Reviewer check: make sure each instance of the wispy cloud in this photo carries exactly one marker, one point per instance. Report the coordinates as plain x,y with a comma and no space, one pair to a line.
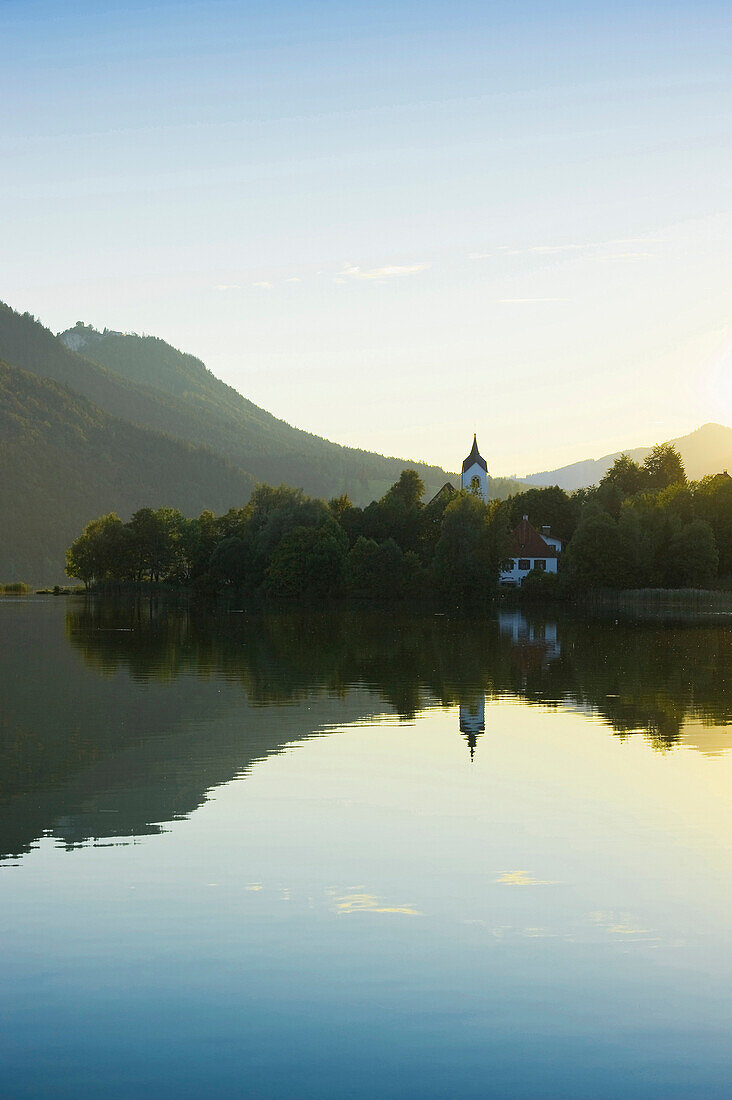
228,286
528,301
264,285
573,246
352,271
626,256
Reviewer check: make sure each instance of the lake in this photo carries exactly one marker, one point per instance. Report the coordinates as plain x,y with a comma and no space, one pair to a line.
362,854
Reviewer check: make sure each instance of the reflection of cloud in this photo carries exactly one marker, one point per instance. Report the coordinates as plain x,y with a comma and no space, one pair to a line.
352,271
369,903
521,878
253,886
619,924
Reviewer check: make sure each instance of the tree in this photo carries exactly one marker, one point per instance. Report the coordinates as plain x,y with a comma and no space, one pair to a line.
399,513
309,561
380,571
232,563
713,503
549,506
408,490
156,533
663,466
464,569
598,556
692,557
101,552
625,475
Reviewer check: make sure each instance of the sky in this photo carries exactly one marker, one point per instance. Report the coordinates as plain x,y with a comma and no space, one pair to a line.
392,224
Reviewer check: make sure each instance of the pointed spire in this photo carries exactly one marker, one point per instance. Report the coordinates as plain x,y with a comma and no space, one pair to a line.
475,457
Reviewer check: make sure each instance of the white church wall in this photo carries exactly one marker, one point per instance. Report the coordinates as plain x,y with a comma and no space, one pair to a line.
476,471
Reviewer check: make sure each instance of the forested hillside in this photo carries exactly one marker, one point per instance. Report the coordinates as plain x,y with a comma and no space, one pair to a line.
145,424
249,436
64,460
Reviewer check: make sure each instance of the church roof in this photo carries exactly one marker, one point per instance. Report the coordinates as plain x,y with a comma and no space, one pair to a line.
526,542
448,489
475,458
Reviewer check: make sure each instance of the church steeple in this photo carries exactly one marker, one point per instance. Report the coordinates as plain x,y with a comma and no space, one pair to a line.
475,458
472,722
475,472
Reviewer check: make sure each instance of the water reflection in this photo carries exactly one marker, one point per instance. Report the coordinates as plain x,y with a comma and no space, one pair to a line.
148,707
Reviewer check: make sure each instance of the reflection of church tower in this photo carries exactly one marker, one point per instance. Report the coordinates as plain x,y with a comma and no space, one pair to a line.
472,722
475,472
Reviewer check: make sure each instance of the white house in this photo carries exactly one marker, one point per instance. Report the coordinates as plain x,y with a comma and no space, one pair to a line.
475,472
530,550
522,633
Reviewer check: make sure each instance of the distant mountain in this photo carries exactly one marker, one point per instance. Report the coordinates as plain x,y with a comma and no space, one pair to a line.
65,460
708,450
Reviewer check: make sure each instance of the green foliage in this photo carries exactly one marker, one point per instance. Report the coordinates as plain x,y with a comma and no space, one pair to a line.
381,571
599,555
625,475
551,506
308,562
539,585
693,557
663,466
713,504
285,544
465,570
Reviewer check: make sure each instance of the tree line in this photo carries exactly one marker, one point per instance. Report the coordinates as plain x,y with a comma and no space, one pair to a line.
643,525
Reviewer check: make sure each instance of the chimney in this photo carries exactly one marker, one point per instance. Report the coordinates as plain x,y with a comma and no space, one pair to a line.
546,529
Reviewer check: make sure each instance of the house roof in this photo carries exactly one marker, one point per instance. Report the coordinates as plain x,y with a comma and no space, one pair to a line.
448,489
475,458
526,542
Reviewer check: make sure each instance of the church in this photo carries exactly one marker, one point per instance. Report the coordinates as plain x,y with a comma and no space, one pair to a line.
529,549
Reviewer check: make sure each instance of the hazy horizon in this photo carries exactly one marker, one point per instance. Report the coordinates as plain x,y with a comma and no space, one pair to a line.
390,225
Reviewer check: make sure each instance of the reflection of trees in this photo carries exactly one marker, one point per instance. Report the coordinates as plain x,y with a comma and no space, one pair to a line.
638,677
83,739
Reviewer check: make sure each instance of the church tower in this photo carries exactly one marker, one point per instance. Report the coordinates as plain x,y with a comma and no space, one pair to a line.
472,722
475,472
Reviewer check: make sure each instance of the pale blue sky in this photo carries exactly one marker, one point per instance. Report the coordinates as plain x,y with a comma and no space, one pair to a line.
391,224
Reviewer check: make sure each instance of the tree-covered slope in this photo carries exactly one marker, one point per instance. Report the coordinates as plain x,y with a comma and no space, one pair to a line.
271,449
148,382
65,461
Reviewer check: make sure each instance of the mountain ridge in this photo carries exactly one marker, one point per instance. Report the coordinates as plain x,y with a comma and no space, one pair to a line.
706,450
270,448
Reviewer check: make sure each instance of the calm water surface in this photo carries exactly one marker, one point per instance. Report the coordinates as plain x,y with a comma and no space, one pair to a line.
358,855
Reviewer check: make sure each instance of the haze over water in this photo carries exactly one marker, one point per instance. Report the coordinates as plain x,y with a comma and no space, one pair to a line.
277,855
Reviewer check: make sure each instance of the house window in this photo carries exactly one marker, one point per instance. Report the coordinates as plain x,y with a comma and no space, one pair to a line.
539,563
524,563
509,566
